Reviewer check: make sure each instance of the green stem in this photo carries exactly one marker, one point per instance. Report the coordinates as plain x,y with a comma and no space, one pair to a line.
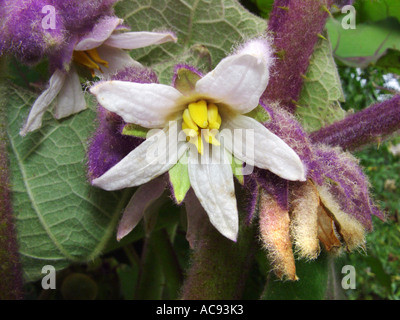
219,266
11,284
171,268
159,268
151,278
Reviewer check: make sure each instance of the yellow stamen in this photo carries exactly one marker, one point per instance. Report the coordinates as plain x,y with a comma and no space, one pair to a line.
198,112
209,135
82,58
94,55
213,116
90,59
188,120
198,142
190,132
204,117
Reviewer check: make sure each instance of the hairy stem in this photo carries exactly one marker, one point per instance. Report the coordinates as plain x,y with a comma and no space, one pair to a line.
220,267
364,127
295,26
11,284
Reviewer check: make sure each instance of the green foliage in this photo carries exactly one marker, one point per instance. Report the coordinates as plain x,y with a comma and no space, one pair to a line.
135,130
377,10
193,22
312,284
179,178
377,275
362,87
60,217
374,41
319,103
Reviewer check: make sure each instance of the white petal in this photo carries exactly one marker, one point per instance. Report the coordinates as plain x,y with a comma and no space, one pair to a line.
254,144
117,59
152,158
134,40
100,33
71,98
143,197
212,182
42,103
147,104
237,81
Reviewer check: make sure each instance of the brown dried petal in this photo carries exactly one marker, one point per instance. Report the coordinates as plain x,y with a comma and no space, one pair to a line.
275,236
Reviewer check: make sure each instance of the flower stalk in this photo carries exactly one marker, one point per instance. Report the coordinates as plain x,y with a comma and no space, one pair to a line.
367,126
219,266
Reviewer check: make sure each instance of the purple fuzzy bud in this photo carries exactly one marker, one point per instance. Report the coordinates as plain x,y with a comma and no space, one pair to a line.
32,29
366,126
286,127
108,146
276,187
247,200
23,33
347,183
295,26
81,15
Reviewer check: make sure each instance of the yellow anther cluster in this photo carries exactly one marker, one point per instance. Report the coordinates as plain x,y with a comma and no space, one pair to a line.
90,59
201,118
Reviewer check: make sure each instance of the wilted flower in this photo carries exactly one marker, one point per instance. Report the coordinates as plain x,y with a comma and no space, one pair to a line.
86,33
333,207
206,109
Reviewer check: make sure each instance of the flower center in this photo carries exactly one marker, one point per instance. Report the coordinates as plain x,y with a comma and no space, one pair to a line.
89,59
201,119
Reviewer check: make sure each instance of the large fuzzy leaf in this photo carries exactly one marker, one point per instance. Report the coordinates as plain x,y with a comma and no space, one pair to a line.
319,102
206,30
60,217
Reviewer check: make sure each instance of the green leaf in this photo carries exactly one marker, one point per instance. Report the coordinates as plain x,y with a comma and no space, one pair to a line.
259,114
313,283
128,275
377,10
366,44
179,178
60,217
390,62
319,99
135,130
185,81
237,169
206,31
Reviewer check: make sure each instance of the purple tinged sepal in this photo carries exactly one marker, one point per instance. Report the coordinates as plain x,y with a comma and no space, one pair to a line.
109,145
332,208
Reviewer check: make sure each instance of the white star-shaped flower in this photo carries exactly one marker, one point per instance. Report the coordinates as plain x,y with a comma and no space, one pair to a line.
101,51
206,113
